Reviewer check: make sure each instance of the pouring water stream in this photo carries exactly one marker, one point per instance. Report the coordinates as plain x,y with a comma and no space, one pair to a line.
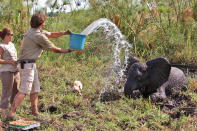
120,44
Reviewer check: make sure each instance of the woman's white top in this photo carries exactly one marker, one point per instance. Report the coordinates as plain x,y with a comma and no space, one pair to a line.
9,53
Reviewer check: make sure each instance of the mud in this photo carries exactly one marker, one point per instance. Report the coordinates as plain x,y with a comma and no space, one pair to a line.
176,105
72,115
41,107
52,109
110,96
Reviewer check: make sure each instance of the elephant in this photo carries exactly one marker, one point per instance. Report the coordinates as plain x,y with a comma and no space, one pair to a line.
155,78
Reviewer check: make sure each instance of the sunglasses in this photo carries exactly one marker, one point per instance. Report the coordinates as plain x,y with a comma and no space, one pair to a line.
10,34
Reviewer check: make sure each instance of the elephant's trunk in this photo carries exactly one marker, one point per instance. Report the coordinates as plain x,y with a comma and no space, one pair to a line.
128,89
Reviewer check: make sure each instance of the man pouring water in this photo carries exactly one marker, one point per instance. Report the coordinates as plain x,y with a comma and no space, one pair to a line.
34,42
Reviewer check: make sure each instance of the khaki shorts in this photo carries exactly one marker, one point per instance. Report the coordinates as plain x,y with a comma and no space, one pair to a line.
29,79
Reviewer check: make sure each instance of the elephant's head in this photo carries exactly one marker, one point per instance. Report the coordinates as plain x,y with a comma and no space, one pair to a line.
131,60
147,77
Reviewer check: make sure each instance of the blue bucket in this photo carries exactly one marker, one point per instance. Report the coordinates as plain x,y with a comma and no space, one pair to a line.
77,41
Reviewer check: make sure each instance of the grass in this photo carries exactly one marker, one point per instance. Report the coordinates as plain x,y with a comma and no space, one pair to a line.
64,110
73,112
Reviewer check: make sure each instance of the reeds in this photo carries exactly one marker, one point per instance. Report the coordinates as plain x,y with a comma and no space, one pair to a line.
170,19
176,18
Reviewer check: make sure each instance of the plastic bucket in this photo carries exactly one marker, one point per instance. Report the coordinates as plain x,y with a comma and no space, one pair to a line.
77,41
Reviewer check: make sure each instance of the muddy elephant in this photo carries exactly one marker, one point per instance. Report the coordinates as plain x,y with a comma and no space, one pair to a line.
155,78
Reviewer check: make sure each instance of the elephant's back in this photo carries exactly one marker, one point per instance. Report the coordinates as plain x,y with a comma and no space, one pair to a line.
177,78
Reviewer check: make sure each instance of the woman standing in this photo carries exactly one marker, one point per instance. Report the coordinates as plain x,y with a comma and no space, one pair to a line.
9,75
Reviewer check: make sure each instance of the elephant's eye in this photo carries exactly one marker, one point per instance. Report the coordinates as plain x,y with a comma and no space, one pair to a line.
138,78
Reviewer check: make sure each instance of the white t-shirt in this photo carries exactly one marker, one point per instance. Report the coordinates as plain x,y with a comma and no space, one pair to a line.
9,53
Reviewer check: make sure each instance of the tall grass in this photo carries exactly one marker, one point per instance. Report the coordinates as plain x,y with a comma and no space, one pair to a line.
168,30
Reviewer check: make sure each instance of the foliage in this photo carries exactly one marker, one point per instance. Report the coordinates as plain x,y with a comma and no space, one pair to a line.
165,30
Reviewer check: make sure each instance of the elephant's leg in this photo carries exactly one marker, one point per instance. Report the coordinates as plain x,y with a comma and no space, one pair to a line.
147,91
160,94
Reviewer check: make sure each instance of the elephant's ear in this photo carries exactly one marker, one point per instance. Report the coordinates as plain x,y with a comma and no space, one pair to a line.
159,71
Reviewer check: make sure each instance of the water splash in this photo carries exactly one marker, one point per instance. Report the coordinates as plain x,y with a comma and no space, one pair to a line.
121,46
